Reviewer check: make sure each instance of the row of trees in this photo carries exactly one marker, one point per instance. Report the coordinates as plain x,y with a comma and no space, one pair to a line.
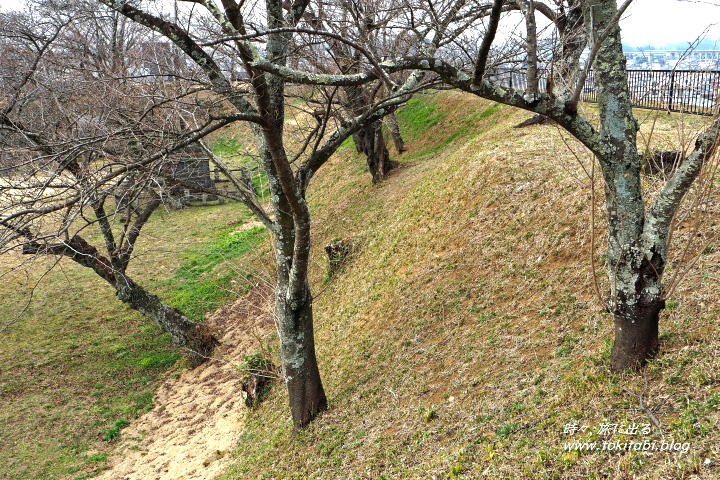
101,99
229,61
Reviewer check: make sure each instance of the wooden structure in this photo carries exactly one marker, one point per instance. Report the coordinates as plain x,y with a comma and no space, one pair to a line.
190,165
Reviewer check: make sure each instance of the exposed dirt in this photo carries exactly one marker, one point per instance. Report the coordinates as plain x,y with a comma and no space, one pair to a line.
192,430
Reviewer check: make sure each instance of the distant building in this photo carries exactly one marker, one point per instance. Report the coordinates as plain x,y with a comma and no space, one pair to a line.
652,59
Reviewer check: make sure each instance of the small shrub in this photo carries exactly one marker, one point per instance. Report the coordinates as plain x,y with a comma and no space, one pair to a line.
97,458
456,470
507,429
114,431
257,381
430,415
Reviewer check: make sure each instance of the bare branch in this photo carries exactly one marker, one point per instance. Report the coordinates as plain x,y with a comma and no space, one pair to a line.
487,41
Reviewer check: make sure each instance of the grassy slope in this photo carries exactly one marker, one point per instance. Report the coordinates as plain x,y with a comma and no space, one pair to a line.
464,333
78,361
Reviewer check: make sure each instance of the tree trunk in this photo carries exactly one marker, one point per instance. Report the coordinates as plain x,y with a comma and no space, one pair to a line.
297,351
573,38
294,312
370,141
394,128
635,256
183,331
636,303
636,335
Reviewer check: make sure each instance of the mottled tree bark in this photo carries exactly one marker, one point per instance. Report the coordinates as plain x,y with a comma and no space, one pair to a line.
635,303
295,321
370,142
394,128
528,9
300,368
635,291
573,39
184,332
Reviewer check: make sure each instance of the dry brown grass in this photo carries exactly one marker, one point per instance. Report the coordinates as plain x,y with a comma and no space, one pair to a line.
465,333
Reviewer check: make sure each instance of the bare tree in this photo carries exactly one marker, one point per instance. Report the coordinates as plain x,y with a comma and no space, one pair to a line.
638,237
257,36
359,24
75,143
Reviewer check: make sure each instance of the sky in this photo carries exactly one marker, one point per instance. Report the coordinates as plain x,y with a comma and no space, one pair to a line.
656,22
660,22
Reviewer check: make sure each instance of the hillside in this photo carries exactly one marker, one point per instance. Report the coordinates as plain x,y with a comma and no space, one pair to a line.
464,334
462,338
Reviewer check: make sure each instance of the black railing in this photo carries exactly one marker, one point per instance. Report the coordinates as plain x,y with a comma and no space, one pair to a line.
687,91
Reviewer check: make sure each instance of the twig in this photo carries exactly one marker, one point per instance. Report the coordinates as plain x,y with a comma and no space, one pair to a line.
252,371
645,409
592,232
594,51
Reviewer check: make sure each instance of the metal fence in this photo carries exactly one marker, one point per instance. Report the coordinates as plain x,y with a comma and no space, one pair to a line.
687,91
517,79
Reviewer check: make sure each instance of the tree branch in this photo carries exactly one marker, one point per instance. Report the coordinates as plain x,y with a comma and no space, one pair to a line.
593,53
671,196
487,41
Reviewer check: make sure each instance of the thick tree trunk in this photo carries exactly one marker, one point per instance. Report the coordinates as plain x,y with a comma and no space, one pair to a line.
394,128
636,303
370,141
297,351
636,254
636,335
293,307
183,331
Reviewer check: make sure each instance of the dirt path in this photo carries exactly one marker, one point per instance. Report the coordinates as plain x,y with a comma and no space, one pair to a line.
192,430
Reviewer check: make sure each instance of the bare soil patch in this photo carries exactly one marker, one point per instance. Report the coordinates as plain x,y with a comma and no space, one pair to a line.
193,428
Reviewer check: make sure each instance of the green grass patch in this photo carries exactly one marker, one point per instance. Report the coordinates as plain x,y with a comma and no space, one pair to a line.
347,143
486,113
158,360
201,282
97,458
226,147
417,116
114,431
427,118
